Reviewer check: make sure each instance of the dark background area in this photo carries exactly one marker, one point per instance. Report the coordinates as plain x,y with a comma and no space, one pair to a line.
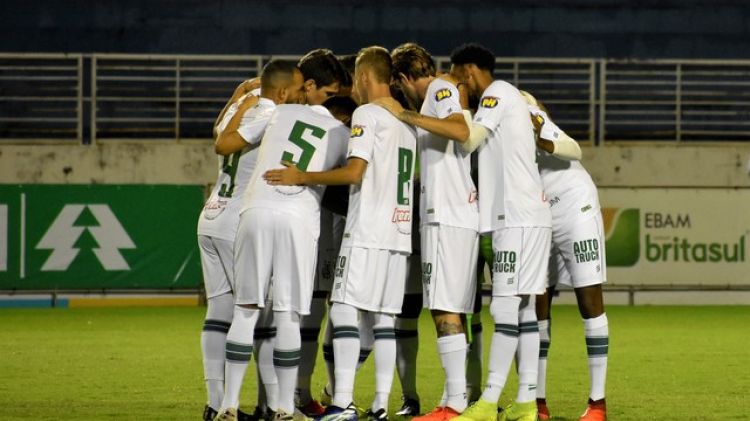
577,28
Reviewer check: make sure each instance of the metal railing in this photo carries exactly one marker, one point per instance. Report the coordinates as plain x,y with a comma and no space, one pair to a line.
88,98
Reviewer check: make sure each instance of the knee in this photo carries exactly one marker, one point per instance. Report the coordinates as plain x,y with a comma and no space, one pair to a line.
505,309
343,315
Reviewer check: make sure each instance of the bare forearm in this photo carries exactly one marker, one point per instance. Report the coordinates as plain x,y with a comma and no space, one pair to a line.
336,177
454,129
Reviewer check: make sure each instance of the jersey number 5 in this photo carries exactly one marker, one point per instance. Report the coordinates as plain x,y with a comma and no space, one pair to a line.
308,149
405,167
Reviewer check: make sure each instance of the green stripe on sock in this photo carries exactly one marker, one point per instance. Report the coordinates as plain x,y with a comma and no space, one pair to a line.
528,327
508,330
238,352
597,350
286,358
543,349
386,333
346,332
241,348
597,340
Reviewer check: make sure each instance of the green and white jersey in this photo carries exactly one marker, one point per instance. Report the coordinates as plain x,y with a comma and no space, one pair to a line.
380,209
315,141
569,188
221,213
448,193
510,187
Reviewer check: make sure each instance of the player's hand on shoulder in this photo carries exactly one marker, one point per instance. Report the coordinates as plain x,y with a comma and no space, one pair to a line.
248,101
390,104
247,86
288,176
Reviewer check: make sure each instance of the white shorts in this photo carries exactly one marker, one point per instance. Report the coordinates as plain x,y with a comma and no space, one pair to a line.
449,267
370,279
329,244
217,260
578,258
520,259
274,243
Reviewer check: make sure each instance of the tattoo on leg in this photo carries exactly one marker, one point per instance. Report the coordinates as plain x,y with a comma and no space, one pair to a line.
448,328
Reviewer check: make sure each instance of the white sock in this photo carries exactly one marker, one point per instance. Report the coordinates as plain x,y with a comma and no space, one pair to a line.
407,347
384,334
213,345
286,357
544,342
309,332
366,322
504,312
239,350
452,350
528,352
597,346
345,352
474,360
265,336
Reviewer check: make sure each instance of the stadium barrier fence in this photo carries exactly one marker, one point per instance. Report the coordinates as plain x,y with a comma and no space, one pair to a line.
90,98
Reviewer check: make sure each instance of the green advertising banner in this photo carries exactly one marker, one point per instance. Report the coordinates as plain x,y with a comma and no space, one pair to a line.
99,237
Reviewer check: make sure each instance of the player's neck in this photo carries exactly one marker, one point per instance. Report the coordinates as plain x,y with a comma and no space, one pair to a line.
377,91
422,87
484,80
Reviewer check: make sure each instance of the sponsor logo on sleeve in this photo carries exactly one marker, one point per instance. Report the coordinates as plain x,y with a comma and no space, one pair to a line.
489,102
357,131
442,94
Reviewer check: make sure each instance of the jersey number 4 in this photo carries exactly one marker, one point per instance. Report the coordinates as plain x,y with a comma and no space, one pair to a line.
308,149
229,167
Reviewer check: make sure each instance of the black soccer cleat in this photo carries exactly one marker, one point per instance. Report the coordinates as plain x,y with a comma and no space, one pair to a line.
379,415
410,408
209,413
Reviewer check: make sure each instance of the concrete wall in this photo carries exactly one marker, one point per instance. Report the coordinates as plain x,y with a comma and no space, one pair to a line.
195,163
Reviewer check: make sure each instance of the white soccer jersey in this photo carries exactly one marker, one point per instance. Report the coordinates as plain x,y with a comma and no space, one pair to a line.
448,192
221,214
309,137
379,214
511,193
569,188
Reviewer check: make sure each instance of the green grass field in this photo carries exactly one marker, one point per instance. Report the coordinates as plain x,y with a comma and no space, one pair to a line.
664,363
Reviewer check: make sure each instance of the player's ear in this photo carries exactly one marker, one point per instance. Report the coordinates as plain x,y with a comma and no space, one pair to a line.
310,85
282,95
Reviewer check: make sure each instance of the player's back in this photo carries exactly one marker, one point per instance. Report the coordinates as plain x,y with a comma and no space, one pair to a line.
448,192
567,184
509,181
309,137
379,214
221,214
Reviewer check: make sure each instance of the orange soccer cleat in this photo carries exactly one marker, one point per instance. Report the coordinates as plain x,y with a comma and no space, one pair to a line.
542,409
441,413
596,411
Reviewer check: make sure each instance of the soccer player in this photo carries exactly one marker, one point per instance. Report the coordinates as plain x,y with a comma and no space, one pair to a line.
577,258
277,235
239,125
324,78
514,210
370,271
448,213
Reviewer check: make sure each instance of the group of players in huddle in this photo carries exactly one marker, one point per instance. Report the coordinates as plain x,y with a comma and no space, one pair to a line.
277,247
